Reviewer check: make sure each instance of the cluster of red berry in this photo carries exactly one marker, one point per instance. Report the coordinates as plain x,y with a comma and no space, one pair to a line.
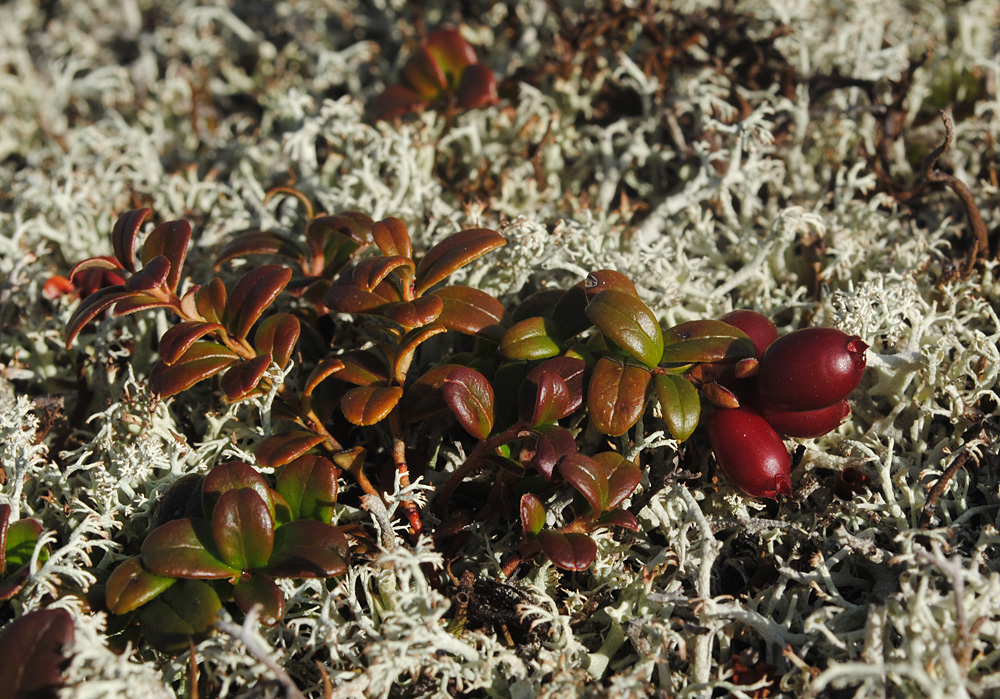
800,389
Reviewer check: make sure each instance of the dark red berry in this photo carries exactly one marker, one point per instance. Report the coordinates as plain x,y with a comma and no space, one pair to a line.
804,423
759,327
811,368
750,452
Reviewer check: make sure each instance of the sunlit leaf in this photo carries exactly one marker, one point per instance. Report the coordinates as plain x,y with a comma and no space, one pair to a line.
571,551
392,238
588,477
371,272
616,395
200,361
210,300
279,449
309,486
367,405
276,335
130,586
241,379
416,313
532,338
176,341
90,308
469,396
362,368
623,477
137,301
183,548
706,341
171,240
532,514
680,403
604,279
19,544
627,321
124,233
452,53
472,312
243,529
151,276
409,344
453,253
252,294
323,370
260,243
231,475
423,74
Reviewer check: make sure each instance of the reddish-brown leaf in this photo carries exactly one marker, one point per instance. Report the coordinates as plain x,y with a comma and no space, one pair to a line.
395,101
210,300
623,477
169,239
253,293
477,89
231,475
183,548
472,312
367,405
392,238
176,341
276,336
243,529
152,275
33,653
408,345
241,379
124,233
616,395
416,313
130,586
532,514
362,368
568,551
137,301
280,449
469,395
200,361
453,253
588,477
261,243
260,589
89,309
306,548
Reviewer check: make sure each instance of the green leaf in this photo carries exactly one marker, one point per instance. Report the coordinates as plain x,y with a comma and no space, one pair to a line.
453,253
130,586
706,341
532,514
680,403
306,548
187,610
469,396
626,321
260,589
243,529
19,546
616,395
183,548
309,486
451,53
367,405
571,551
531,338
472,312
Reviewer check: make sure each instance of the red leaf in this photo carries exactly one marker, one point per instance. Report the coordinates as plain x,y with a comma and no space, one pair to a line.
408,345
169,239
477,89
241,379
416,313
469,395
616,395
260,589
620,518
137,301
32,653
453,253
261,243
231,475
306,548
362,368
532,514
124,233
587,476
568,551
178,339
551,444
395,101
623,477
252,294
90,307
210,301
281,448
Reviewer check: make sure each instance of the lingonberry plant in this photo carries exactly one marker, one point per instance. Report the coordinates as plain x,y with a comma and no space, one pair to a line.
546,392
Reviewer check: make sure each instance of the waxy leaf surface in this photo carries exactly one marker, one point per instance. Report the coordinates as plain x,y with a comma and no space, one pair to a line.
627,321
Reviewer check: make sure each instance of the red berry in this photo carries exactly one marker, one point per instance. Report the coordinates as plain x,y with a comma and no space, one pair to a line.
811,368
759,327
750,452
804,423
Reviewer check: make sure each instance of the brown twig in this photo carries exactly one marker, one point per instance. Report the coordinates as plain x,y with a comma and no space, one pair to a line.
980,242
938,490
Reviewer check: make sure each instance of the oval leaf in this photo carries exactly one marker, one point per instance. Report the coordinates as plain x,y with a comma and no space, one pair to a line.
588,477
210,300
184,611
453,253
231,475
469,396
178,339
276,336
551,444
260,243
572,551
416,313
623,477
151,276
169,239
367,405
306,548
706,341
532,514
199,362
241,379
183,548
124,233
392,238
680,403
130,586
243,529
89,309
260,589
472,312
279,449
616,395
33,653
309,486
531,338
252,294
627,321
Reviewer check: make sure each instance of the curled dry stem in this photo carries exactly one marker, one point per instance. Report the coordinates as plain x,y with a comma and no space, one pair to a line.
980,238
942,484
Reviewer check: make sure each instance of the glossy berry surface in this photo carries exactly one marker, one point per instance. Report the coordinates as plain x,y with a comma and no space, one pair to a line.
804,423
750,452
811,368
759,327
